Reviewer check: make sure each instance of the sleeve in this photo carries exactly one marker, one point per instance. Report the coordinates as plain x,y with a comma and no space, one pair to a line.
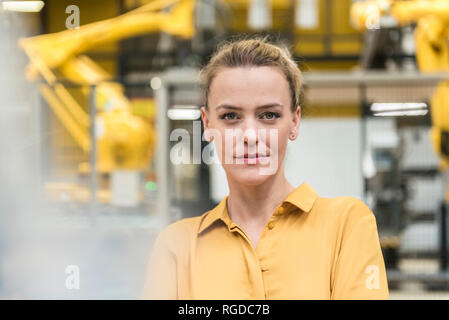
360,269
161,279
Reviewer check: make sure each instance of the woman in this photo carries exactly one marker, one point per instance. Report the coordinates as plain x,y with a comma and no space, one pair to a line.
266,240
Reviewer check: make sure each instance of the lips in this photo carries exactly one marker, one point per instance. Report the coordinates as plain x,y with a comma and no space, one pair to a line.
253,159
252,156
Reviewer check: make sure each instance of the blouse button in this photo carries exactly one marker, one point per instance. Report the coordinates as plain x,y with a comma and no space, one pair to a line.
281,210
271,225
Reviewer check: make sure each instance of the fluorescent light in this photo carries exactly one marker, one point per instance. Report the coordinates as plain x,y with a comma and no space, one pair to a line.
259,15
307,14
380,107
23,6
401,113
182,113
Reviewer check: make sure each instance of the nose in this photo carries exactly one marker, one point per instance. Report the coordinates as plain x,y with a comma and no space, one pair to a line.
250,136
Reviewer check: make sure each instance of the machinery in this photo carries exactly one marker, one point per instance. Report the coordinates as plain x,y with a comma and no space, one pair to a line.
124,141
432,51
430,19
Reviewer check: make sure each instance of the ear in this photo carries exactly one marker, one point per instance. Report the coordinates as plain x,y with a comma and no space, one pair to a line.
205,119
297,118
295,122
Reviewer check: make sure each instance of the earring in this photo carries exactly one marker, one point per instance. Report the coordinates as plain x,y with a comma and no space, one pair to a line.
292,136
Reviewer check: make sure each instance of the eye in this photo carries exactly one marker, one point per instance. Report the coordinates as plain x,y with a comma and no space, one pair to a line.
229,116
270,115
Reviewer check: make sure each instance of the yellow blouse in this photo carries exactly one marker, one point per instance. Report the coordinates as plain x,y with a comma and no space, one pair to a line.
311,248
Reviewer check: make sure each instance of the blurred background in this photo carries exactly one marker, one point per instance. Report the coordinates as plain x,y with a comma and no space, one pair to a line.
92,92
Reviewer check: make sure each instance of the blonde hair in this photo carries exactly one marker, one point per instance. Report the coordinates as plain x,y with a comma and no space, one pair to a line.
255,52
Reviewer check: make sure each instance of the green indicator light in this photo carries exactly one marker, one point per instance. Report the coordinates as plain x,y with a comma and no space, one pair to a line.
151,186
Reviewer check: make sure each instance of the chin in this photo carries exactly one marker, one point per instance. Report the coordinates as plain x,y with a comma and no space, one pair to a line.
248,175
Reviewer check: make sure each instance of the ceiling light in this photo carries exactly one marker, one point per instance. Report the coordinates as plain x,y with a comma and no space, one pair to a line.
183,113
401,113
394,106
259,15
307,14
23,6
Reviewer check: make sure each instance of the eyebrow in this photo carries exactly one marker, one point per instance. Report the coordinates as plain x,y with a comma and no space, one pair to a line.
230,107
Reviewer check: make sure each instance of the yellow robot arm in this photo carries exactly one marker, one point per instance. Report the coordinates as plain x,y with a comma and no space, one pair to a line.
49,51
126,141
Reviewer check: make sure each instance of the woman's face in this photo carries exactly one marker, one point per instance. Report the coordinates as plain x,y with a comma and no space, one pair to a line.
249,117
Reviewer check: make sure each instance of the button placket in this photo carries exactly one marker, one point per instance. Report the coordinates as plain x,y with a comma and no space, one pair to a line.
280,210
262,242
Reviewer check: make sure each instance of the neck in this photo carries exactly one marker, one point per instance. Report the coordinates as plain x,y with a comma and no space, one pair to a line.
255,204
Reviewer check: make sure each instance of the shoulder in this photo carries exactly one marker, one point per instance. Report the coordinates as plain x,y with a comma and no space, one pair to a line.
345,207
346,212
180,230
346,220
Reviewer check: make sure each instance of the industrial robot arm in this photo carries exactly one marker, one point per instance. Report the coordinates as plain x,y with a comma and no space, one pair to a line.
127,141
